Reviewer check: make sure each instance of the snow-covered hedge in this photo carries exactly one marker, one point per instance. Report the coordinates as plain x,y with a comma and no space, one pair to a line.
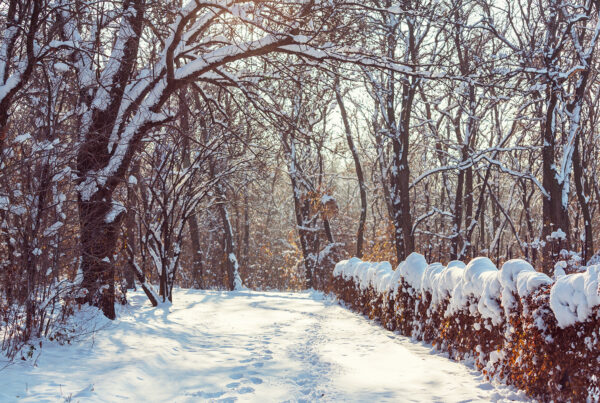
518,325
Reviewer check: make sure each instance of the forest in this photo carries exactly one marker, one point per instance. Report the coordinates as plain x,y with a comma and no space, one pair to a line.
231,144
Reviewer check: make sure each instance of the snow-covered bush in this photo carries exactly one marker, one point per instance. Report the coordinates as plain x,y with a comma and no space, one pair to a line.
516,324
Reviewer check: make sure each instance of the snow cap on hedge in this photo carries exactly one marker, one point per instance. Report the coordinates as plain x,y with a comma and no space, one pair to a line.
412,269
509,275
573,297
479,277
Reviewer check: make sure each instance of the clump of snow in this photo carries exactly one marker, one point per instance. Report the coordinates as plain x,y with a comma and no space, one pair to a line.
431,278
342,269
21,138
53,228
412,270
518,277
594,260
61,67
237,280
116,209
559,269
365,274
558,234
529,281
480,282
382,275
4,203
448,278
489,302
572,297
327,198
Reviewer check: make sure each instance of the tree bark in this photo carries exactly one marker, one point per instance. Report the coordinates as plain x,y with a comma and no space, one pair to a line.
554,210
98,241
197,262
359,172
99,237
579,178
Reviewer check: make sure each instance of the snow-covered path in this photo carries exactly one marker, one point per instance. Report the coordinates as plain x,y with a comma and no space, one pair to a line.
244,346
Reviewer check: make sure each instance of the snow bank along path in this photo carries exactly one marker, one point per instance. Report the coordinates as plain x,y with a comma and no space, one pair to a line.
243,346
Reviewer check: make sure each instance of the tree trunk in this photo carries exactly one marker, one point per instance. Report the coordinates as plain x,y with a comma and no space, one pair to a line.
197,264
554,209
230,259
468,249
130,226
229,250
99,237
359,172
401,200
458,208
588,244
246,237
98,242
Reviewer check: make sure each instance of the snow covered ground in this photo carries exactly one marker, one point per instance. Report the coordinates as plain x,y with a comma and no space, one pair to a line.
243,346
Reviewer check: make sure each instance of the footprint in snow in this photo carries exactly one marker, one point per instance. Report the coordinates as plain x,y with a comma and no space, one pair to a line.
301,382
85,392
227,400
245,389
233,385
207,395
236,376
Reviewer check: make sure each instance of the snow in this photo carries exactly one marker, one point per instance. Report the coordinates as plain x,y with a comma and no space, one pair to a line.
527,282
366,274
480,280
327,198
572,297
412,270
61,67
559,269
21,138
10,85
558,234
50,231
244,346
518,277
446,281
115,210
237,280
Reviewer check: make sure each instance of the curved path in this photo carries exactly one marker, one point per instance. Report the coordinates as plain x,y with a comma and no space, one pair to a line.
244,346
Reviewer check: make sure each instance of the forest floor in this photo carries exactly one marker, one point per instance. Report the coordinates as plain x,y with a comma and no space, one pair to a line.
243,346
